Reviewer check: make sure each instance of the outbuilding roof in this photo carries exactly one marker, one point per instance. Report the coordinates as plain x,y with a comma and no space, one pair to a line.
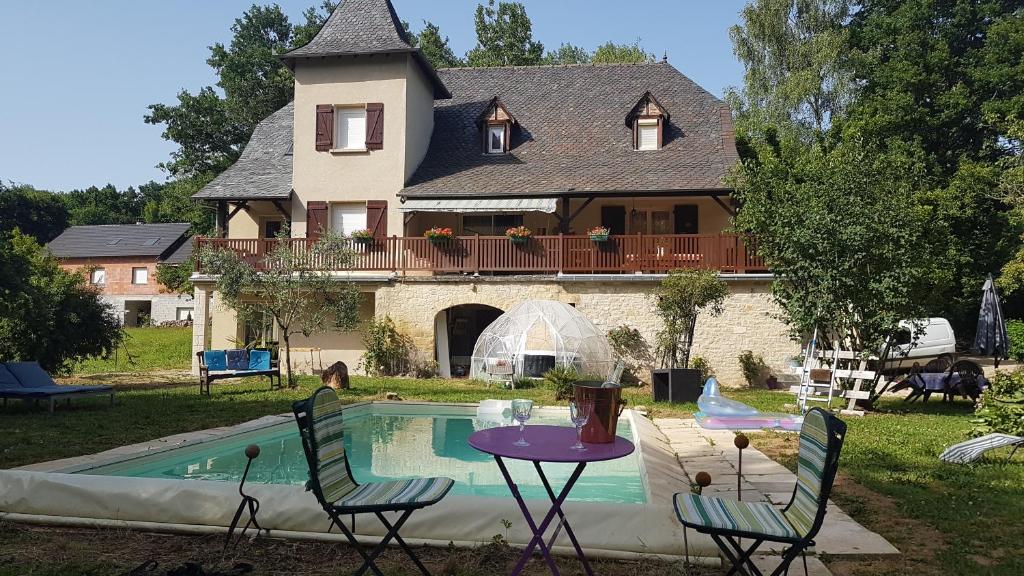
159,241
264,169
570,136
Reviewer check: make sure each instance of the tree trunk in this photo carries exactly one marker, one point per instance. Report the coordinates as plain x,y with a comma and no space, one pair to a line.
288,357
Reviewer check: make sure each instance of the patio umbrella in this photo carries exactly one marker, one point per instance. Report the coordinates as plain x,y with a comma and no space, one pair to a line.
990,338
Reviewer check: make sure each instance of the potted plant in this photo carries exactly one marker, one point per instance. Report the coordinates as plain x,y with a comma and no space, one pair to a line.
363,236
678,300
519,234
438,235
598,233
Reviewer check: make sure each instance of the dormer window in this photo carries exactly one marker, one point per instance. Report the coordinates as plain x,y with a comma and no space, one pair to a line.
496,127
647,120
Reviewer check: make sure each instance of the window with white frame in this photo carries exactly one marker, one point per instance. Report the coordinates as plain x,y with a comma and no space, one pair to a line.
347,217
350,128
98,276
647,134
183,313
496,139
140,275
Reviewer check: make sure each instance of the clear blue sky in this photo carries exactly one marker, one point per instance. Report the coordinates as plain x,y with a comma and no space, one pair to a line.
78,75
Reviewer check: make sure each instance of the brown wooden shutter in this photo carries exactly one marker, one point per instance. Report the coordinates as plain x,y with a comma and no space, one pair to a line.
374,126
636,134
324,127
377,217
316,219
661,131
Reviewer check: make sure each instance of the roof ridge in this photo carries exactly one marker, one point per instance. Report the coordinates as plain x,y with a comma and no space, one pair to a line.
578,65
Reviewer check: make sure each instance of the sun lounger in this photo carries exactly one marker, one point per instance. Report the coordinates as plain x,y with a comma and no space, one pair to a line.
971,450
28,381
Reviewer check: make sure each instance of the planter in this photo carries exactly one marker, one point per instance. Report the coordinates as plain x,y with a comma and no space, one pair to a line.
676,385
599,237
363,241
519,239
439,240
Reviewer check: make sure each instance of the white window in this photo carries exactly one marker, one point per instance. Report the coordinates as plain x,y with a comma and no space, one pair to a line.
183,314
140,275
350,128
495,139
647,135
347,217
98,276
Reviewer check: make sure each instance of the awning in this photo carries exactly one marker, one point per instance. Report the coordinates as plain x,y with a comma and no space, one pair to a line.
548,205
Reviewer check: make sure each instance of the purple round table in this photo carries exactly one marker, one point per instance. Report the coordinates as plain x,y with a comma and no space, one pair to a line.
547,444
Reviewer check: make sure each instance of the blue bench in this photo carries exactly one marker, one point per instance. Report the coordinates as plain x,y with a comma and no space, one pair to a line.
28,381
224,364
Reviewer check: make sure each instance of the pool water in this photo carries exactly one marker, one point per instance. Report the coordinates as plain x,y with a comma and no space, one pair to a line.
385,445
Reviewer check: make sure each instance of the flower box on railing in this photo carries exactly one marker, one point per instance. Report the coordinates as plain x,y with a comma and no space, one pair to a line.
438,236
519,234
598,234
362,237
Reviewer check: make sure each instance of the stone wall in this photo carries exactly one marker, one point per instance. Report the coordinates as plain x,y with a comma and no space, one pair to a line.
748,322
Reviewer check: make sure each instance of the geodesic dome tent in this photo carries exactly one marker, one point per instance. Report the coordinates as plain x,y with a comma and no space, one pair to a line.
537,335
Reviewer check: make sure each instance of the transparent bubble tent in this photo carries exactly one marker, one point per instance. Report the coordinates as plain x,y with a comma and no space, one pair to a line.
536,335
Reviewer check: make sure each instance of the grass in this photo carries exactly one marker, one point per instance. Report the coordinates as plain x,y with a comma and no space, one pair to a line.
146,350
947,519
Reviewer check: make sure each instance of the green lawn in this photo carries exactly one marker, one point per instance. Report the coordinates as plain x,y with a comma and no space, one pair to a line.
145,350
974,511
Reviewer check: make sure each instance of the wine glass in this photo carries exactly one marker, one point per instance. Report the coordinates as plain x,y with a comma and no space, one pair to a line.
521,412
579,413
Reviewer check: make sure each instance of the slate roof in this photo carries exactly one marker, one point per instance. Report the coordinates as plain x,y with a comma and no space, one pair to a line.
364,27
572,133
158,241
264,169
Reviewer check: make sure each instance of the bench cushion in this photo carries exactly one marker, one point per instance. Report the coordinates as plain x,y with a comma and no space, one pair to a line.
259,360
215,360
54,391
31,375
7,380
237,359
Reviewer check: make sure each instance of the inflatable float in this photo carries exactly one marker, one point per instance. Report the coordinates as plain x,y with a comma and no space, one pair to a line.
719,413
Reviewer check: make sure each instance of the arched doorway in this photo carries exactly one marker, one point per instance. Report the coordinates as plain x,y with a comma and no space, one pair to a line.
455,332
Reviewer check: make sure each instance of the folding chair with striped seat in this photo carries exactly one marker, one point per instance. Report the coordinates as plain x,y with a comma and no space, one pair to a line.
971,450
726,521
330,479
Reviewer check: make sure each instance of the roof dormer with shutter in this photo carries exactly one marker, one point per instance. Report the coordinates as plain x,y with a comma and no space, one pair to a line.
496,125
648,120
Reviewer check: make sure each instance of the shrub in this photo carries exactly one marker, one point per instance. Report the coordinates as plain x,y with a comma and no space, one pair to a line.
1002,406
753,367
700,363
521,382
630,346
562,377
1015,331
388,351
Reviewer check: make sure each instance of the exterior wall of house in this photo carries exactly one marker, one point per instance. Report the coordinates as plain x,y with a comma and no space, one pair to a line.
350,176
250,222
123,296
749,321
419,119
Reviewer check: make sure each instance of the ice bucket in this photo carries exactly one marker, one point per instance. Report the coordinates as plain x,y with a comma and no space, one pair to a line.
608,406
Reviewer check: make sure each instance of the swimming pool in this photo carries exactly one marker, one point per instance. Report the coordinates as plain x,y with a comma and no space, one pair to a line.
390,442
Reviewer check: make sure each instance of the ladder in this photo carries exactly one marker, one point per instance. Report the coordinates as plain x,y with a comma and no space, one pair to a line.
813,387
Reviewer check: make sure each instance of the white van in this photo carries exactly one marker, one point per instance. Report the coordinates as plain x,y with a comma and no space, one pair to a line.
934,339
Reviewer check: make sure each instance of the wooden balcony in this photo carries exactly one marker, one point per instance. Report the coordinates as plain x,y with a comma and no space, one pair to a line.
630,254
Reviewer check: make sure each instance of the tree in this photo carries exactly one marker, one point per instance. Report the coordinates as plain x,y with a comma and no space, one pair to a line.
211,130
48,314
568,54
435,47
504,37
106,205
296,294
37,213
852,250
792,54
176,278
612,53
680,297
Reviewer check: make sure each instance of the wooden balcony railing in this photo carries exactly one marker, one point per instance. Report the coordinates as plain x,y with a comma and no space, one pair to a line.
540,255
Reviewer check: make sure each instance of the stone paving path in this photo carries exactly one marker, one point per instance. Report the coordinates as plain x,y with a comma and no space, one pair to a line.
764,480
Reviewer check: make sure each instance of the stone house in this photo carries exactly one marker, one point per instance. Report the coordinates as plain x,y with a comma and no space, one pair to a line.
378,140
121,260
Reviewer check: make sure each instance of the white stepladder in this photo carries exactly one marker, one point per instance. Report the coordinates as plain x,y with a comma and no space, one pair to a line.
830,373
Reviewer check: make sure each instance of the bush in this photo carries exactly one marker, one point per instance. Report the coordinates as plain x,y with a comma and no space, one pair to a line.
753,367
1015,331
1002,406
630,347
562,378
700,363
388,352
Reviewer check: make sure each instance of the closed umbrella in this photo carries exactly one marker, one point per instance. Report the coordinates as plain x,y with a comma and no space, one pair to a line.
991,339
